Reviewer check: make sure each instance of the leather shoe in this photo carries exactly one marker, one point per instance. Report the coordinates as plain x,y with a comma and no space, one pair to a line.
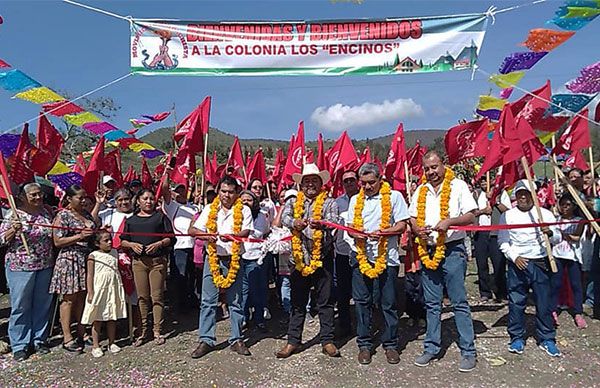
364,356
331,350
392,356
202,350
287,350
240,348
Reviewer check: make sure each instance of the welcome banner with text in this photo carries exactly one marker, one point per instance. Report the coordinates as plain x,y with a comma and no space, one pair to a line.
368,47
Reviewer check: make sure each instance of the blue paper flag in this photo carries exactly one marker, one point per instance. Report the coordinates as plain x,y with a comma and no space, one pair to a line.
115,135
8,144
17,81
64,181
570,102
492,114
151,154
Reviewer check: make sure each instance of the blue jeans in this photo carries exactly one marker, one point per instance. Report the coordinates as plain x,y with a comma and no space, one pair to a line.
210,298
450,273
573,269
519,282
30,304
286,293
254,289
363,294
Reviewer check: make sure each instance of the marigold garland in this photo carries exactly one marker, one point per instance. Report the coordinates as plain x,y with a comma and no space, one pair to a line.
211,250
440,243
315,261
386,216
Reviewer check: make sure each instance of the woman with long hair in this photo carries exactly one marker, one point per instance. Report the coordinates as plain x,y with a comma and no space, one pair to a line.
148,236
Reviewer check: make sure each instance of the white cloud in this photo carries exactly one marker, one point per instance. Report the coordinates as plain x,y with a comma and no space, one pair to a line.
339,117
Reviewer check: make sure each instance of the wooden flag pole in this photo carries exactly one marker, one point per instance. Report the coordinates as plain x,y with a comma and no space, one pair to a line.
555,163
576,197
13,207
407,176
487,182
595,193
204,156
538,209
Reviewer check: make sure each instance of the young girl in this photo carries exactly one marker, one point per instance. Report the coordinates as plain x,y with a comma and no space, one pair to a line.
105,300
568,258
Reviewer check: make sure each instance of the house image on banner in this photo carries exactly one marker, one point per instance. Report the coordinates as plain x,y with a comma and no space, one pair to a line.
408,65
466,58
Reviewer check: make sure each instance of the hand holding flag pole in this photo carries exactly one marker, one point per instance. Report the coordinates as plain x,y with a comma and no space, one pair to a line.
13,207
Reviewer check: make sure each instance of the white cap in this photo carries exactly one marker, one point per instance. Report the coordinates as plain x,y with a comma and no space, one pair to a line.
523,184
107,178
289,194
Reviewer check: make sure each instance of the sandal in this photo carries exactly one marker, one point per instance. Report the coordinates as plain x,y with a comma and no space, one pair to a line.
159,340
72,346
139,342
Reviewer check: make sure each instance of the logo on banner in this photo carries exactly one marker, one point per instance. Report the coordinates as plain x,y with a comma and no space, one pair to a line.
162,59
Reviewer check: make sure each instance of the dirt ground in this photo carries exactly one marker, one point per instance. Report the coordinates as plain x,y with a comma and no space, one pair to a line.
171,366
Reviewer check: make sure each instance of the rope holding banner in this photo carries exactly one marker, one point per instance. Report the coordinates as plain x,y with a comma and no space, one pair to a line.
128,18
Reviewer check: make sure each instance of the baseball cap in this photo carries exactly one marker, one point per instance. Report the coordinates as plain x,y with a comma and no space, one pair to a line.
107,178
135,182
523,184
289,194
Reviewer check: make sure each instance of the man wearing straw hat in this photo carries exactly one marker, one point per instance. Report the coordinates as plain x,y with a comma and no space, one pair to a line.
312,251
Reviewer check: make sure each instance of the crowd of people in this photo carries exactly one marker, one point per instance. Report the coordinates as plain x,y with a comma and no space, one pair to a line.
107,256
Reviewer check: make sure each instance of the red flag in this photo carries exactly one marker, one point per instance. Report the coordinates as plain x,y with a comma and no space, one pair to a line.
146,176
49,145
295,156
163,176
466,141
365,157
20,170
321,159
394,166
92,174
341,157
185,166
576,137
378,163
157,117
597,114
235,161
194,127
80,165
415,159
4,175
130,175
533,107
210,170
279,164
112,166
577,160
256,167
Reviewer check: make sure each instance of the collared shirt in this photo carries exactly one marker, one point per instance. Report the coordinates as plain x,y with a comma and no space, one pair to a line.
461,202
260,228
267,207
224,226
181,217
570,250
372,221
525,242
329,213
483,202
341,245
113,218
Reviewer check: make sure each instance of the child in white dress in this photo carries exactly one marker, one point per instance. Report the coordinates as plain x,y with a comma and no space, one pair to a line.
105,300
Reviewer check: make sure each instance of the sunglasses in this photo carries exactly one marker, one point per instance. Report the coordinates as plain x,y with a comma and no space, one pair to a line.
349,180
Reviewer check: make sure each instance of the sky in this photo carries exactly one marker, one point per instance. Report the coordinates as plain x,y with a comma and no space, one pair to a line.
75,50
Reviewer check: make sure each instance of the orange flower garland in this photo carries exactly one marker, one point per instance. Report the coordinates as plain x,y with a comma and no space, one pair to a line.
440,246
211,249
315,261
386,216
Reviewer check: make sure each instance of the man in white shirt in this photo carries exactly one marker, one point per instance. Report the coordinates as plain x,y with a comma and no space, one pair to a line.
364,287
528,267
180,212
228,191
342,273
486,245
453,266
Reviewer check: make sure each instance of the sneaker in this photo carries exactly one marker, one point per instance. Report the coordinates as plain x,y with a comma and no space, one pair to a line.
42,348
550,347
467,363
517,346
97,352
113,348
424,359
267,314
555,318
20,355
580,321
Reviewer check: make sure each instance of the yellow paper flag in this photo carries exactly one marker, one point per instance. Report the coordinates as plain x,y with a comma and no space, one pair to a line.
82,118
582,12
545,137
39,95
489,102
139,147
59,168
507,80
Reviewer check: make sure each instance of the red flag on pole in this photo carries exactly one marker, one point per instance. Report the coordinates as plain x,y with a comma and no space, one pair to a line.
576,137
365,157
112,166
194,127
80,165
93,172
235,161
340,158
146,176
321,159
415,158
163,177
21,171
130,175
49,146
4,175
256,167
577,160
466,141
185,166
210,170
279,163
394,166
295,156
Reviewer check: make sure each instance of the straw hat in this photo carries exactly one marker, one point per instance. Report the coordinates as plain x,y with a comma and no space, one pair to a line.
311,169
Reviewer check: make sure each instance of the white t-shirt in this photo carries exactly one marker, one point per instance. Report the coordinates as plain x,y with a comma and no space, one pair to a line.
267,207
113,218
181,217
570,250
260,229
461,202
224,226
482,203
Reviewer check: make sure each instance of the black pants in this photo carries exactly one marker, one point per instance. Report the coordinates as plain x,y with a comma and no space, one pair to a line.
415,301
486,246
343,288
321,280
